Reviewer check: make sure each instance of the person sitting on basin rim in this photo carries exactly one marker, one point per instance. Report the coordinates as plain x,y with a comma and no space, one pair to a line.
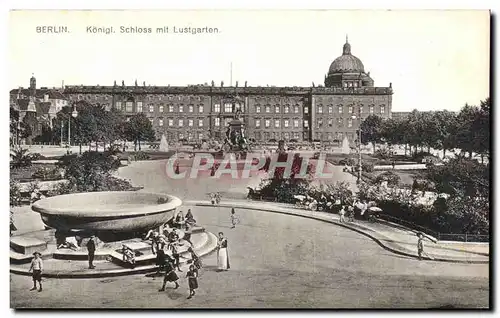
190,218
170,274
179,220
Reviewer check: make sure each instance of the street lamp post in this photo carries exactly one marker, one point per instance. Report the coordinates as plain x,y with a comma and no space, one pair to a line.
74,114
360,167
18,132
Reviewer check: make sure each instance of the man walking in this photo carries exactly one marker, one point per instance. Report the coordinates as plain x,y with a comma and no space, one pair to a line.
420,245
37,267
91,251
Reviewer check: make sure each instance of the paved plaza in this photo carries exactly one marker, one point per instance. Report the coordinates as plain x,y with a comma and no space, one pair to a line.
281,261
277,261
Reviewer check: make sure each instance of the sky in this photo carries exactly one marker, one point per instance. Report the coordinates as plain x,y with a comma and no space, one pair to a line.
434,59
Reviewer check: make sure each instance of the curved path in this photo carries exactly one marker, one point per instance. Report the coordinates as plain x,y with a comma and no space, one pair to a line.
278,261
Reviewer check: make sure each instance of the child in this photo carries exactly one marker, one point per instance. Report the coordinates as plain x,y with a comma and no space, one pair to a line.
128,255
234,218
195,259
37,267
170,274
342,214
420,245
192,276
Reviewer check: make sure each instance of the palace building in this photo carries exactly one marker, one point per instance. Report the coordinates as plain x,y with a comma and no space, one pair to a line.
196,112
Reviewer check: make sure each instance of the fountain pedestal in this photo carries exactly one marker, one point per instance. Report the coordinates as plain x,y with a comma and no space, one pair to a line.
27,245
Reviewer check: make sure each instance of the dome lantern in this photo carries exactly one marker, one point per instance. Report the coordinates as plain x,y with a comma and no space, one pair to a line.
346,63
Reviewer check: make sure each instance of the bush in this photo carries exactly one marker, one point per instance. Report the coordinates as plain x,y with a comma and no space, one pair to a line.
47,173
347,161
383,153
420,155
36,156
91,171
140,155
367,167
392,178
21,158
15,194
422,185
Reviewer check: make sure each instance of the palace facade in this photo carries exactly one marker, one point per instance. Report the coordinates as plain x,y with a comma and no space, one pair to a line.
197,112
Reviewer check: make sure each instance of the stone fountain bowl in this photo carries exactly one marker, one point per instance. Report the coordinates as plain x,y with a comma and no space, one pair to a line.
119,211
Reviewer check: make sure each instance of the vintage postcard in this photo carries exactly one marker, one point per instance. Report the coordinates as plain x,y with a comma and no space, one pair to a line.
304,159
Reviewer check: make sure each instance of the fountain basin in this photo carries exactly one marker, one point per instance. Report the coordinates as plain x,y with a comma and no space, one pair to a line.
117,211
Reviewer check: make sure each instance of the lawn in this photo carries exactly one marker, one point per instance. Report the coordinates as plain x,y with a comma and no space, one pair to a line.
335,159
407,176
26,174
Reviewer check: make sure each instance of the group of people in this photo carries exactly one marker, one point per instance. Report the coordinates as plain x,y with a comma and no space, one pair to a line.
215,197
167,248
165,244
358,207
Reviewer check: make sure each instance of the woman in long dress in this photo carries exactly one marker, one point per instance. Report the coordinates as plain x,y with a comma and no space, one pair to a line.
222,254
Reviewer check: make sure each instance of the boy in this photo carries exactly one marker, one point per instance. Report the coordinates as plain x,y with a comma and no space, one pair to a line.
37,267
342,214
234,218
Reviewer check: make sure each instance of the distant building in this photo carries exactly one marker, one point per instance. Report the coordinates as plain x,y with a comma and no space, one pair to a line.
198,112
37,106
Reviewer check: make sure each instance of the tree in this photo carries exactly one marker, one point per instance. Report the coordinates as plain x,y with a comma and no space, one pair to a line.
140,129
371,130
416,129
461,177
465,137
46,135
482,129
395,131
91,171
21,158
446,128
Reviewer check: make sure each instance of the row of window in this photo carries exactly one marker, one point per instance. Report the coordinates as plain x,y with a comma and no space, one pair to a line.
183,135
180,122
287,123
329,122
350,84
296,123
189,122
278,135
350,109
228,108
296,135
149,98
277,123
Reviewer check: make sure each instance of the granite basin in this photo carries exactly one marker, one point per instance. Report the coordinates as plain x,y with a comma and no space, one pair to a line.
119,211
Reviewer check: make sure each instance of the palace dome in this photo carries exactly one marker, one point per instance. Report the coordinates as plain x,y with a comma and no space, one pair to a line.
346,63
